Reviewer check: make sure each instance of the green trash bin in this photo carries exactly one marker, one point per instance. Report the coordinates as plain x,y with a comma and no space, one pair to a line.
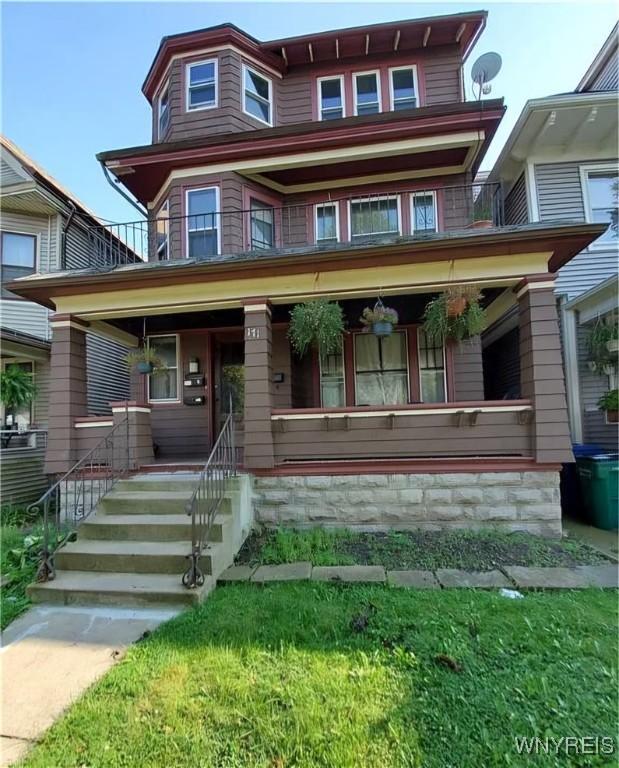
599,480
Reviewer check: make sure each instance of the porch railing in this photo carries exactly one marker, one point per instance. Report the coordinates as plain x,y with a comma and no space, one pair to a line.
206,235
207,498
76,494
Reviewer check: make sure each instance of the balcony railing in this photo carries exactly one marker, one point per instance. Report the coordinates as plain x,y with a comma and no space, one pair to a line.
206,235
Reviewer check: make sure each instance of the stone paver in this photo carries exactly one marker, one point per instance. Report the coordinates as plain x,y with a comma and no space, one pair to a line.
546,578
413,579
605,576
51,654
285,572
237,573
452,577
350,573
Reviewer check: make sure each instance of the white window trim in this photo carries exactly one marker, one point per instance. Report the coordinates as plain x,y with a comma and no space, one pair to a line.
355,75
188,67
370,199
265,206
37,246
446,400
176,399
415,84
336,205
585,170
188,216
165,89
165,205
408,363
319,82
343,374
421,193
246,69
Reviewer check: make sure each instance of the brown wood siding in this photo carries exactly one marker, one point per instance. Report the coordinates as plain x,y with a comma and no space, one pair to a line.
258,441
432,435
442,77
294,103
282,393
468,370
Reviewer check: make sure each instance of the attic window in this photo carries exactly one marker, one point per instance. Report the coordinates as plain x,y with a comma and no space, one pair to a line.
367,93
201,78
331,97
257,98
403,83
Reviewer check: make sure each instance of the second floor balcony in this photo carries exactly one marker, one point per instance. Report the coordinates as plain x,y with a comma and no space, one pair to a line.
205,232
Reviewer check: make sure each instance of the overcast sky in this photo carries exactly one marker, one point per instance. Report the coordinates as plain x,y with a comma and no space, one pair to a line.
72,72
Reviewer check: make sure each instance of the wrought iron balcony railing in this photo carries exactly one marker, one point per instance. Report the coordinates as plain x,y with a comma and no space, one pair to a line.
207,234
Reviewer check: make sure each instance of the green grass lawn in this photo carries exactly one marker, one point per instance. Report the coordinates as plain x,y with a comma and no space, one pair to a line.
470,550
318,675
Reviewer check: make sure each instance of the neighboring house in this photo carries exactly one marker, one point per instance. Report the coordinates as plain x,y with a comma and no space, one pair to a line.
560,164
337,164
43,229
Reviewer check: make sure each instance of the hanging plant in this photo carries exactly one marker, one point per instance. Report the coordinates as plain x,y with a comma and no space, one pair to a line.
439,325
603,344
610,403
319,324
380,320
458,297
145,360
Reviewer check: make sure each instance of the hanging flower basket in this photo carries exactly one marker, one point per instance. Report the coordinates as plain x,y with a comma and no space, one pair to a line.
380,320
441,324
612,345
145,367
145,360
316,324
456,306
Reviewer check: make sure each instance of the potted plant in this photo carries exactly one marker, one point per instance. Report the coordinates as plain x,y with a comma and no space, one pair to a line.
603,345
610,403
17,389
145,360
439,325
318,323
380,320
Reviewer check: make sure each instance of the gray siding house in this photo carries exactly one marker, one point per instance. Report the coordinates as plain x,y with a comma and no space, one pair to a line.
43,229
560,164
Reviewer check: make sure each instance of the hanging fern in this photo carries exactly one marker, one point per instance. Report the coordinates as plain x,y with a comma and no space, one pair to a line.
438,325
318,323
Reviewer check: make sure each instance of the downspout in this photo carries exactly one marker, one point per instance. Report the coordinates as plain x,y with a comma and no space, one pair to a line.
65,228
114,184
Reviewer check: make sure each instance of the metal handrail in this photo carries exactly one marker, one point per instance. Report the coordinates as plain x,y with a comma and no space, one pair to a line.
207,496
76,494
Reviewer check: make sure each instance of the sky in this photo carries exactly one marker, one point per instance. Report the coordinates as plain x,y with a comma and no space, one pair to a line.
78,90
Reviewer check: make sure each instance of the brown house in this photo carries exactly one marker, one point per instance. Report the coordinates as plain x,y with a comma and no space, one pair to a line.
337,165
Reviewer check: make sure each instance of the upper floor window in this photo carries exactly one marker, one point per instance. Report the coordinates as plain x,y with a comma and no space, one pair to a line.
403,85
202,222
331,97
262,225
257,96
19,251
374,216
423,212
366,88
163,112
163,232
201,78
327,223
601,197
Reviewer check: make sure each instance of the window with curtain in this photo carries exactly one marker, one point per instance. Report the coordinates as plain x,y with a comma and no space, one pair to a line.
603,189
381,371
331,94
164,384
332,393
262,225
327,223
424,212
431,369
202,222
374,216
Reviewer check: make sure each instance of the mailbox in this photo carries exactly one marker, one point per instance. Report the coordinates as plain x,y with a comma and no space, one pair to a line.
193,380
194,400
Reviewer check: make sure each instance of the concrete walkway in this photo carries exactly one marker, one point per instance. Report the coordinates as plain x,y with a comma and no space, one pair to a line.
606,542
51,655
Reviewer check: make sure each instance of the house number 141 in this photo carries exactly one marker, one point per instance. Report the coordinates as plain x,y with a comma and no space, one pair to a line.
253,333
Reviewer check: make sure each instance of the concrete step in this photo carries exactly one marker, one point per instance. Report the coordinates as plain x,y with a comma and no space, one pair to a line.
142,527
159,482
150,502
86,588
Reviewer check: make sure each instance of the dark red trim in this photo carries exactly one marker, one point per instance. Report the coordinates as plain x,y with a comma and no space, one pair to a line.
389,408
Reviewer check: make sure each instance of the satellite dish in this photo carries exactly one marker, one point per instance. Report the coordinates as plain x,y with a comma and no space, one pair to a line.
485,69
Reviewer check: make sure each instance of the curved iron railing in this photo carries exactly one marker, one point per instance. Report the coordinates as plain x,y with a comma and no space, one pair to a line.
207,497
76,494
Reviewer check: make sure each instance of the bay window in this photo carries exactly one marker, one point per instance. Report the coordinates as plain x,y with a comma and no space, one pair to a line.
403,84
331,97
327,223
431,358
366,88
202,222
163,112
374,216
601,187
163,385
423,212
162,226
201,79
257,96
381,369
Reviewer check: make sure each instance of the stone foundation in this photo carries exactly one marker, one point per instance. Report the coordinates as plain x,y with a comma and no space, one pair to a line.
511,501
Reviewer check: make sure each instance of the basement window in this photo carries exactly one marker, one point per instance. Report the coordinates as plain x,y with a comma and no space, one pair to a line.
257,96
366,93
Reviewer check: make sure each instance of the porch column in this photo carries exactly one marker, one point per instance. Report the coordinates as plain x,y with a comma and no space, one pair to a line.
138,431
258,436
68,392
541,370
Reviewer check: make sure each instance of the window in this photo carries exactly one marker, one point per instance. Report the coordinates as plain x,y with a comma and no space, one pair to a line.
431,369
202,222
327,223
257,100
423,213
332,380
374,215
162,226
367,93
403,84
331,97
23,415
381,369
262,225
601,196
201,78
163,385
19,251
163,112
